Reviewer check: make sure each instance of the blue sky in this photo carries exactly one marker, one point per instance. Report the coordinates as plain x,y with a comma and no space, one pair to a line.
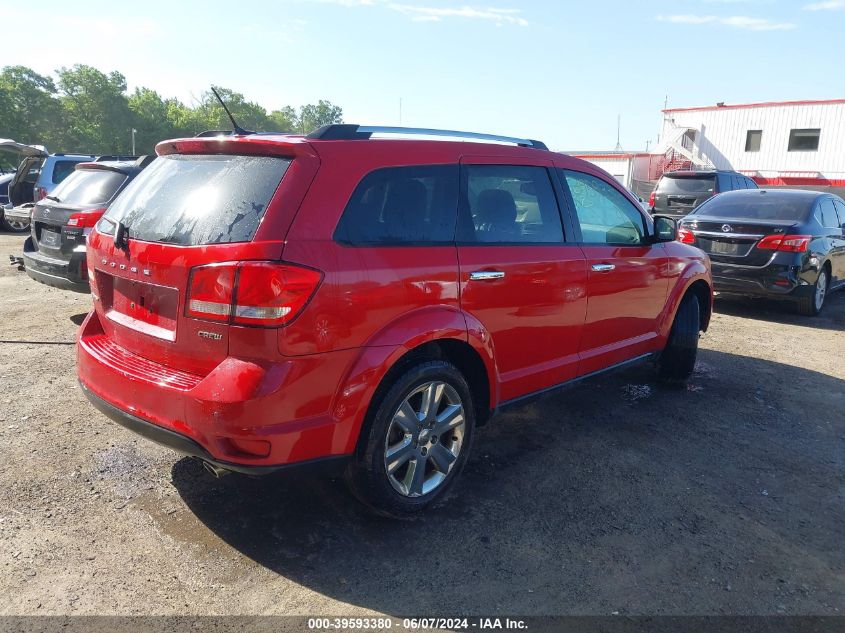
557,71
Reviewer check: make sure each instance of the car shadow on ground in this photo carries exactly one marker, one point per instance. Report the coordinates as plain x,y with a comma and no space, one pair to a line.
722,497
832,316
77,319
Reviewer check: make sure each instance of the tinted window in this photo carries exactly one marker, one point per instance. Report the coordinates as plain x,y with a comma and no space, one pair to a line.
62,169
840,211
606,216
828,214
89,186
197,199
804,140
402,205
687,184
754,207
750,184
509,203
752,140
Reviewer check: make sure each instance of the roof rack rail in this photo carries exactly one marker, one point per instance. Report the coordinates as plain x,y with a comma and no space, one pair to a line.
351,131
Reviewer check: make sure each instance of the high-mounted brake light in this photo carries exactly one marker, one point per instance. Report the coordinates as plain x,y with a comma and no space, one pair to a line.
685,236
85,219
787,243
264,294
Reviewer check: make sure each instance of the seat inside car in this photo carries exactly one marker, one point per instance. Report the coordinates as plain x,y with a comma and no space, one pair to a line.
495,216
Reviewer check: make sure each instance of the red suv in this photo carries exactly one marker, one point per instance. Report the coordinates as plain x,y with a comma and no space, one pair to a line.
264,302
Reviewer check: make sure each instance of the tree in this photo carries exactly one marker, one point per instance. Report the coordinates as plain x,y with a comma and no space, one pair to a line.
150,119
97,115
29,109
89,111
313,116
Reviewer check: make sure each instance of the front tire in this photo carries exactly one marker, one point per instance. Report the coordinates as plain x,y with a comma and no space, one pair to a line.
16,226
678,358
812,305
417,442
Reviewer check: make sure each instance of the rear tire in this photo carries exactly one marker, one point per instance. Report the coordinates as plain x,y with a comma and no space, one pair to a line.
15,227
812,305
413,453
677,361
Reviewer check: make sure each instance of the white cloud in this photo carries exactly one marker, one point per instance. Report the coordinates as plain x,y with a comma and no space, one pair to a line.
737,21
830,5
421,13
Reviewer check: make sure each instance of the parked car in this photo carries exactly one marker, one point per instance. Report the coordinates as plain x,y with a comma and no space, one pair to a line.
778,243
37,175
269,302
679,192
54,253
5,179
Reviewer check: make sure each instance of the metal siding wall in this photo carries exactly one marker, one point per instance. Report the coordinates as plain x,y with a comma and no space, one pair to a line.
723,140
614,166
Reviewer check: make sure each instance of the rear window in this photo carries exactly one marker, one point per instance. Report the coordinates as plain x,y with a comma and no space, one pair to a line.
62,169
756,207
89,186
690,184
192,199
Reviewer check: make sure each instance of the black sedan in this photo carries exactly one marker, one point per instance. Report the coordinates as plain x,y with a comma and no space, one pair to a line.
778,243
54,254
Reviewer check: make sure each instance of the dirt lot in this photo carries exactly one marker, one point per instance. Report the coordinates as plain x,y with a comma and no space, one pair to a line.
614,496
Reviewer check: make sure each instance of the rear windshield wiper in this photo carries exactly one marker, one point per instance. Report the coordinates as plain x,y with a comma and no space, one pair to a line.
120,235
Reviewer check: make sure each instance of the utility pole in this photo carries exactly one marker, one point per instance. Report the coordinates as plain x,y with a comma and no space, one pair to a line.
133,140
618,130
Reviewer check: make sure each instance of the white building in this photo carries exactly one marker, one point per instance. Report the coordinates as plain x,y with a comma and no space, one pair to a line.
787,143
776,143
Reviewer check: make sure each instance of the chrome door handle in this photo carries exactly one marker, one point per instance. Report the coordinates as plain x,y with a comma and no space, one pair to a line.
486,275
603,268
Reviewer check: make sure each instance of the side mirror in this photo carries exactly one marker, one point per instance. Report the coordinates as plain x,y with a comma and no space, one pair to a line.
665,229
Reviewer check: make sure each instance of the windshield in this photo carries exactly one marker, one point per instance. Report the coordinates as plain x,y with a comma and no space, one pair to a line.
754,207
197,199
88,186
704,184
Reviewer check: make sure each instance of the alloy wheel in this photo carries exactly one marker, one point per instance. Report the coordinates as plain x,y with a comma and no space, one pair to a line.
424,439
821,290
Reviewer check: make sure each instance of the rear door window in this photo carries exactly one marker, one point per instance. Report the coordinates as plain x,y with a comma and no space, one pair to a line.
509,204
192,199
605,215
829,218
402,205
840,211
89,186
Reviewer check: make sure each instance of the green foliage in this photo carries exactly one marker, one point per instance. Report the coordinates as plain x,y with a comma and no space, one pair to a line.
88,111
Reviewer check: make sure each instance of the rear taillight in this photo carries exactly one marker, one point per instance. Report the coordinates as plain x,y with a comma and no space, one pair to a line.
85,219
265,294
40,193
788,243
651,200
685,235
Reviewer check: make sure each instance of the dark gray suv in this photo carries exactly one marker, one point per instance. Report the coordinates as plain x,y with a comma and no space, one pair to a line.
679,192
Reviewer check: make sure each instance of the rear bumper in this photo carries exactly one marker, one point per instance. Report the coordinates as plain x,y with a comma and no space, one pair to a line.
184,444
284,407
777,280
59,273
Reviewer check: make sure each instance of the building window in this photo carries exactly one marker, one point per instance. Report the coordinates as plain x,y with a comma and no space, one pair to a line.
752,140
804,140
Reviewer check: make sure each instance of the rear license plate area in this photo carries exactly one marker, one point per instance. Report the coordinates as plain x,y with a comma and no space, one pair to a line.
49,238
144,307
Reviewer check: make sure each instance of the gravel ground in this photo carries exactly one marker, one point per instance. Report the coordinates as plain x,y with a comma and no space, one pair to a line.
617,495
